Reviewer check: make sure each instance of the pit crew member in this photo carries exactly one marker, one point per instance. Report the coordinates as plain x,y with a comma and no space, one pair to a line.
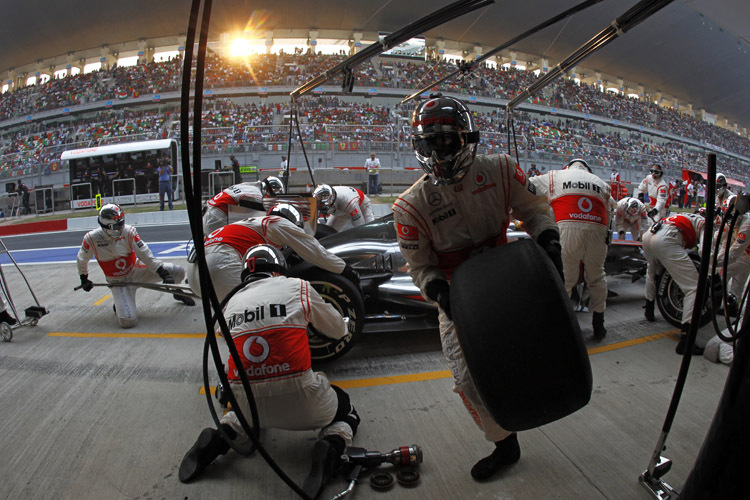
460,207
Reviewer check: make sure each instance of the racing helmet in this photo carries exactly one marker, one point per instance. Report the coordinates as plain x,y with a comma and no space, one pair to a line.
728,204
633,207
272,186
263,261
326,197
656,171
289,212
112,220
579,164
721,184
444,138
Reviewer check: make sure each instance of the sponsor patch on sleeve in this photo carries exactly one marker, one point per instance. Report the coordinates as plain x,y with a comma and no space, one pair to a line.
520,176
741,237
405,232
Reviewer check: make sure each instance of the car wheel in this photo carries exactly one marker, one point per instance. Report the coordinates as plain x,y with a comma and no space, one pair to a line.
346,298
669,300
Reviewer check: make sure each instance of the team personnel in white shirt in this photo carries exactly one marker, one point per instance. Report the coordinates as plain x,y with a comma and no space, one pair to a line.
657,190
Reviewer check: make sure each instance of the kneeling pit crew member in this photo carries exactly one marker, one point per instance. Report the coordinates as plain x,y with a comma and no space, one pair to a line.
268,321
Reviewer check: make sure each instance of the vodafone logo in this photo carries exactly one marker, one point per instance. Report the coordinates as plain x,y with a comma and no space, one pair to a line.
121,264
585,205
252,346
480,179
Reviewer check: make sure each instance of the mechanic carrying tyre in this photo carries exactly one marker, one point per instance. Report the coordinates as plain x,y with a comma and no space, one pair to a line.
666,246
460,208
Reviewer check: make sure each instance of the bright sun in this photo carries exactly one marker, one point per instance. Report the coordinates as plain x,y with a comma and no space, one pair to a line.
240,47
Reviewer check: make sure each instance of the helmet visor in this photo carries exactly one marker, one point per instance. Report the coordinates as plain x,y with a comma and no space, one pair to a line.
439,146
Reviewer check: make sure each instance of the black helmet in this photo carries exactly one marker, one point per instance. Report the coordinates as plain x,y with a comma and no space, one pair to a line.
326,197
112,219
444,138
263,261
289,212
272,186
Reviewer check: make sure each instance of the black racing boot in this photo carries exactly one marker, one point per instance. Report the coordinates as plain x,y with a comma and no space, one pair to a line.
598,324
506,452
649,313
185,300
326,457
680,349
205,450
7,318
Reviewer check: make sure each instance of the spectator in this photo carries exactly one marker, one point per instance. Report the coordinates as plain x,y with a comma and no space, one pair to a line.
372,165
23,194
236,169
165,183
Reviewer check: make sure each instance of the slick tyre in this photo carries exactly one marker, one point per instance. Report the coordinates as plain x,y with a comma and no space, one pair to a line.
669,300
529,368
346,298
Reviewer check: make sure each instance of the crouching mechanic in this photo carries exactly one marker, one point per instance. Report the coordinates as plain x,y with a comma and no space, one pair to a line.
124,258
580,201
631,215
343,204
665,246
248,195
275,354
460,208
283,226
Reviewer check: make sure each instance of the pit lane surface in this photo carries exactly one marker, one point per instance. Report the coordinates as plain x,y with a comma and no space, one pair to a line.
93,411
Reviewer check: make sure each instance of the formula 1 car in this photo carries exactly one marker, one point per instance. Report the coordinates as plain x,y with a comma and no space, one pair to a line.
388,300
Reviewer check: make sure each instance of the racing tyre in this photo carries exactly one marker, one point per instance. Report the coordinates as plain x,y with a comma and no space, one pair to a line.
347,299
6,332
669,299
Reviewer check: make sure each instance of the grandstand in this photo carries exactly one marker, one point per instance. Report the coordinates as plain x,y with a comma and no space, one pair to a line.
247,114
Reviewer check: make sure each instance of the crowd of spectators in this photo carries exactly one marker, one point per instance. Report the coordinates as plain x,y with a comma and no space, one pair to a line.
330,120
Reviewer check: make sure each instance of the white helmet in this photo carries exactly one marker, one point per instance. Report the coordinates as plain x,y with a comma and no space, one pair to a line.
633,207
263,261
289,212
272,186
112,220
721,184
579,164
326,197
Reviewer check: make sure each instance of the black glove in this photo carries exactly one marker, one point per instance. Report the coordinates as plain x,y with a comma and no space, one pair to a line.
166,278
549,240
641,198
86,283
439,291
652,212
350,274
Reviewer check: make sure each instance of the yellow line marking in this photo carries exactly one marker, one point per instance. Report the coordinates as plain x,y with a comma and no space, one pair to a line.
129,335
103,299
632,342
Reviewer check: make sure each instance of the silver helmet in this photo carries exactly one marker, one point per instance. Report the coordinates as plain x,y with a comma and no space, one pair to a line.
112,220
263,261
326,197
444,138
289,212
